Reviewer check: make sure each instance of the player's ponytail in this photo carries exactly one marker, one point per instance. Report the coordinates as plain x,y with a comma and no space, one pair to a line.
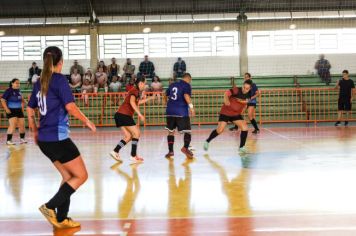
51,57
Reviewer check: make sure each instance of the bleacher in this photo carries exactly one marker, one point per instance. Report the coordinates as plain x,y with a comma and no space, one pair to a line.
213,83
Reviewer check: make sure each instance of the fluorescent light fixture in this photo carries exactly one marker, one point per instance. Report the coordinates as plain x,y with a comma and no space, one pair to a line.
2,33
217,28
292,26
146,30
73,31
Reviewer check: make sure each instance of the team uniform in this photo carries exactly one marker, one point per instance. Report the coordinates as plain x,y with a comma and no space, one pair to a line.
253,91
236,108
124,115
231,113
13,98
344,101
124,118
53,131
177,111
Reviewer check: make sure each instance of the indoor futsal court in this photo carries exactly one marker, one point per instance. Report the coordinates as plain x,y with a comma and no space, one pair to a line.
177,118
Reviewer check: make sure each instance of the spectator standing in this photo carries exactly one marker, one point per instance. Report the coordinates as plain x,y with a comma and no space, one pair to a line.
113,69
33,74
129,71
323,69
147,69
179,68
102,64
78,67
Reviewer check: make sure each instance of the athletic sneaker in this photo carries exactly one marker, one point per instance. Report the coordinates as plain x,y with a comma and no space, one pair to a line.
49,214
234,128
169,155
115,156
206,146
337,123
346,123
191,148
68,223
136,159
65,231
256,131
242,150
23,141
10,143
187,152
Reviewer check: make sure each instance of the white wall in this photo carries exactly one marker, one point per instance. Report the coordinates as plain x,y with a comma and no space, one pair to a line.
299,64
197,66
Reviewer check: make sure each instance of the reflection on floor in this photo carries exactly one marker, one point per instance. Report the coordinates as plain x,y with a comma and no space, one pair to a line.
293,181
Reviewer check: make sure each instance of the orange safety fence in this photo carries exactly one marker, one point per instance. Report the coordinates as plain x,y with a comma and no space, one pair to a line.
274,106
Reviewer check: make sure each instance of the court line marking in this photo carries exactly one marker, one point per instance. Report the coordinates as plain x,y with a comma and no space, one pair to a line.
197,217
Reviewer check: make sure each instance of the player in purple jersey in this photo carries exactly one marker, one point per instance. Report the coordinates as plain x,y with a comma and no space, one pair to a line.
177,112
13,104
52,96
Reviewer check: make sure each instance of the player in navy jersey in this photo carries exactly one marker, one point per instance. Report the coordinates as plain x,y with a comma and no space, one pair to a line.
177,112
53,97
13,104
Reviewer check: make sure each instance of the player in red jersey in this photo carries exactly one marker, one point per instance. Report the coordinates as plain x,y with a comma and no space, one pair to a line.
235,102
124,120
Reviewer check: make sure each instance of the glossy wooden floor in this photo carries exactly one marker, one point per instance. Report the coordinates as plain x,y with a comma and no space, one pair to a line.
295,181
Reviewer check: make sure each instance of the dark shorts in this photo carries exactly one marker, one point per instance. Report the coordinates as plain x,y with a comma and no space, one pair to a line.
62,151
252,105
225,118
123,120
180,123
15,112
344,105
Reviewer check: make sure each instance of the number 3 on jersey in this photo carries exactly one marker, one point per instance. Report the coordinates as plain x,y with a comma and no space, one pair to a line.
175,91
42,104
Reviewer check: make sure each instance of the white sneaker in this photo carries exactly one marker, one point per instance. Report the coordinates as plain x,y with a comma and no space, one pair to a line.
242,150
23,141
191,148
10,143
115,156
136,159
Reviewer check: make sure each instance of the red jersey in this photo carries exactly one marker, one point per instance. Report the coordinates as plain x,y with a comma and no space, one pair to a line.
126,107
129,87
235,107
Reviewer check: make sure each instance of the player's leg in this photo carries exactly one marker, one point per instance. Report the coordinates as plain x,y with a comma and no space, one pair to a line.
135,134
126,139
10,130
252,117
171,125
220,129
243,135
183,125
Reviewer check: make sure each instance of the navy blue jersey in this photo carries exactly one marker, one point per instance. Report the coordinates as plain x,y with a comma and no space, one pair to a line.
177,106
253,92
54,122
13,98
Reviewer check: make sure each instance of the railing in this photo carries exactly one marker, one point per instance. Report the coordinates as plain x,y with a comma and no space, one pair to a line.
274,106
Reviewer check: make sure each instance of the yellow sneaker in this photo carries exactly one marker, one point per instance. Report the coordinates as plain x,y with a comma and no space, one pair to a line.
49,214
65,232
67,223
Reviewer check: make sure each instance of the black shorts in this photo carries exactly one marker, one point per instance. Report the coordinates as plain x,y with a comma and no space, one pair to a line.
226,118
123,120
344,105
252,105
181,123
15,112
62,151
